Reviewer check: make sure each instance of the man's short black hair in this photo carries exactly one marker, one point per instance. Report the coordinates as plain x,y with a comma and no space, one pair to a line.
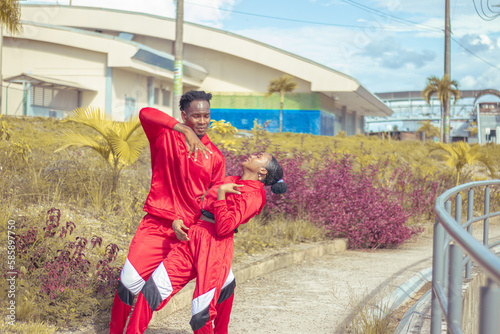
194,95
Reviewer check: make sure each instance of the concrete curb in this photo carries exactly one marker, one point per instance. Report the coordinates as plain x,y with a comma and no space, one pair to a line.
247,272
413,317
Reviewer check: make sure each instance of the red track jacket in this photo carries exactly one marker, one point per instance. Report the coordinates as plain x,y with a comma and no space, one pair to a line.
175,194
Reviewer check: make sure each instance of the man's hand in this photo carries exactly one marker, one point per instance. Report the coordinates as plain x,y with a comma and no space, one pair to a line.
179,227
193,143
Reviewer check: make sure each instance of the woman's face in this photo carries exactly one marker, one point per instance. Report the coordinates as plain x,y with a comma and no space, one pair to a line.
257,162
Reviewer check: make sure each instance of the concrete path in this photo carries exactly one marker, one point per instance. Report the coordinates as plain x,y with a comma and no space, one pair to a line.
316,296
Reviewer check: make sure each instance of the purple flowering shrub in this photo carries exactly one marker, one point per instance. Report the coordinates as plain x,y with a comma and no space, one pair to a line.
68,271
371,205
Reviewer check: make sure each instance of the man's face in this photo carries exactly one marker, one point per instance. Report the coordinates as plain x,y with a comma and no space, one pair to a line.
197,117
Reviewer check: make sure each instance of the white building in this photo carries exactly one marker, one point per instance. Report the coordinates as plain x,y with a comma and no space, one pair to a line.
69,56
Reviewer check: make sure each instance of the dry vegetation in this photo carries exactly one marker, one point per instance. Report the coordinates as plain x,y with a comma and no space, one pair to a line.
78,183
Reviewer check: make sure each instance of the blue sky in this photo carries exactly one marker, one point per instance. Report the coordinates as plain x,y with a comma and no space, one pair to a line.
387,45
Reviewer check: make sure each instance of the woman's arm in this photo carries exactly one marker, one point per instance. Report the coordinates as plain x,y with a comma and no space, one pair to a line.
229,214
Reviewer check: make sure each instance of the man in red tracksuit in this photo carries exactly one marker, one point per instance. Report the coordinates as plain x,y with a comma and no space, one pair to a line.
178,182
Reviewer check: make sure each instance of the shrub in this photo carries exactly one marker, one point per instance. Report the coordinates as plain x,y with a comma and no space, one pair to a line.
328,191
65,278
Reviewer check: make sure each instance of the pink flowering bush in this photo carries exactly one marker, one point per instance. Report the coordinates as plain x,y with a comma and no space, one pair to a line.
69,278
362,204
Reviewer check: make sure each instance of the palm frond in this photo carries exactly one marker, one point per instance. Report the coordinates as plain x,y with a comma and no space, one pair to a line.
128,127
444,88
71,139
127,151
285,84
10,16
429,129
460,154
92,117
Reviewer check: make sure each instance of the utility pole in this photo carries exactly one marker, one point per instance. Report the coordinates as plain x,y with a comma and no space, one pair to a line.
179,22
447,70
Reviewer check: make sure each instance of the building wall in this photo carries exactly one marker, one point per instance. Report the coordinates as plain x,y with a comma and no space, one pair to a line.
233,74
84,67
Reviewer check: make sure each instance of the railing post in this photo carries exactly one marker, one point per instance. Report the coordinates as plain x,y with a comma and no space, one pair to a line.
455,288
458,209
486,226
437,276
470,215
489,308
446,247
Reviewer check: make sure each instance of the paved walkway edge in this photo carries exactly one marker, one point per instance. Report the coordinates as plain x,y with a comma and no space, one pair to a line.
248,272
404,292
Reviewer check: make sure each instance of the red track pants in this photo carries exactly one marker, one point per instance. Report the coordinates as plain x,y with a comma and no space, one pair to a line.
207,257
152,242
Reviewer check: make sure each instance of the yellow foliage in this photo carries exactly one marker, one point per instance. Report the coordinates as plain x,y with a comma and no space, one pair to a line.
229,144
222,127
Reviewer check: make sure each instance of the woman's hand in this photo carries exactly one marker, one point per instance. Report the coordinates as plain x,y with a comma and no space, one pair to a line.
193,143
179,227
231,188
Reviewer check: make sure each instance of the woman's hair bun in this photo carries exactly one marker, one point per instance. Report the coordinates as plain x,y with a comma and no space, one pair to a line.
279,188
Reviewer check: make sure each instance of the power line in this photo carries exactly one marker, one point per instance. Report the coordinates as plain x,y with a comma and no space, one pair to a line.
350,26
475,55
384,14
485,16
292,20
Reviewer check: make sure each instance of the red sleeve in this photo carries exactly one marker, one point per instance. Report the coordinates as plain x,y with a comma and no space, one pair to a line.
235,210
154,121
219,171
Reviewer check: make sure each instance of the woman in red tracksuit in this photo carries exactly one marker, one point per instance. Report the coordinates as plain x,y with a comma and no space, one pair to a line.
209,251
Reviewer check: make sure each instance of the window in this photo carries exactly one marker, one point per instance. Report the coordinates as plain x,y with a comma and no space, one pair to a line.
165,97
157,96
48,97
129,107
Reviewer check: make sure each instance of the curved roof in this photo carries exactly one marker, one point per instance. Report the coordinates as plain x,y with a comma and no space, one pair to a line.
339,86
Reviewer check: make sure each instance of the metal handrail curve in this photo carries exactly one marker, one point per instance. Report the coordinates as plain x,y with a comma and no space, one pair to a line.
476,250
451,239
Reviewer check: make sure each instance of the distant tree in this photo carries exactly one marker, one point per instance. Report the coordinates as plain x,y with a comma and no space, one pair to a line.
10,15
282,85
428,129
460,154
444,88
119,143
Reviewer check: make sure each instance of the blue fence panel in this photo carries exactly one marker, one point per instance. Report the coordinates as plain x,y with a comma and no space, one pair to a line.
297,121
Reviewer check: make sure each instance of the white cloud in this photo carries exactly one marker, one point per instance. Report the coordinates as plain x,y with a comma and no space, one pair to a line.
342,50
206,11
389,53
487,79
468,82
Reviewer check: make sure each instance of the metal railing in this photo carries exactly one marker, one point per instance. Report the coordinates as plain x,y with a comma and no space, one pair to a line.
452,238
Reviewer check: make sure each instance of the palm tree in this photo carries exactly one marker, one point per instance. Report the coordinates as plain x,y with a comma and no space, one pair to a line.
282,85
460,154
10,15
428,129
117,142
444,88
